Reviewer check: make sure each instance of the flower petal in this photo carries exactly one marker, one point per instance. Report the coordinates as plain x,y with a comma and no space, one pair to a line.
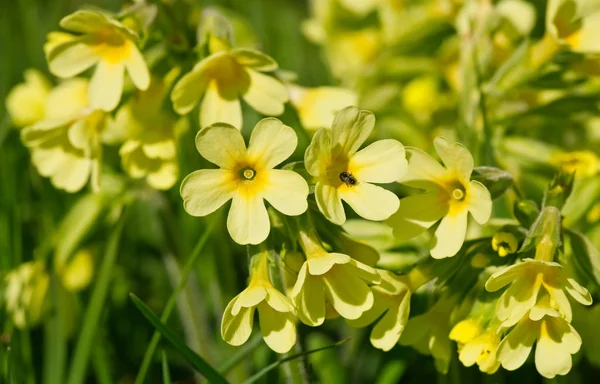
456,157
216,108
278,328
265,93
321,265
504,277
514,349
423,170
278,301
250,297
254,59
317,106
165,177
221,144
271,143
84,21
370,201
551,356
349,295
248,221
318,154
206,190
308,296
286,191
416,214
350,128
188,90
106,86
137,68
236,330
578,292
384,161
70,58
479,202
387,331
449,235
330,203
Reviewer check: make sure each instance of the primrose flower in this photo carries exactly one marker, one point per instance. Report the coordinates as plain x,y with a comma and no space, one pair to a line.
317,107
102,42
556,340
222,78
344,173
449,195
476,345
66,144
574,23
246,177
331,279
25,293
275,312
26,102
505,243
582,163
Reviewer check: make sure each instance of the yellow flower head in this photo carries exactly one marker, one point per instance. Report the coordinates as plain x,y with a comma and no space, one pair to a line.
466,330
556,340
574,23
331,279
275,312
317,106
344,173
221,79
100,41
476,344
582,163
246,177
65,145
449,195
391,308
526,279
25,293
78,273
421,96
26,102
505,243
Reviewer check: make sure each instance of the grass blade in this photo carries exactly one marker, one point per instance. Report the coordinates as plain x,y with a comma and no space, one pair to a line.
196,361
165,369
276,364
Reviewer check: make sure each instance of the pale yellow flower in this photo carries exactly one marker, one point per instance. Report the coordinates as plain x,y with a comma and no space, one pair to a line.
351,53
25,293
575,24
449,197
476,345
222,78
331,279
26,102
275,312
421,97
582,163
103,42
317,107
505,243
345,173
247,177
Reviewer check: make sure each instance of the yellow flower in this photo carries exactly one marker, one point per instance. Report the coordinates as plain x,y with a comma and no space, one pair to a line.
25,293
582,163
221,79
505,243
351,53
526,279
574,23
275,312
449,195
331,279
391,308
476,345
345,174
78,273
317,106
66,144
150,150
360,7
421,96
26,102
556,340
246,177
465,330
101,41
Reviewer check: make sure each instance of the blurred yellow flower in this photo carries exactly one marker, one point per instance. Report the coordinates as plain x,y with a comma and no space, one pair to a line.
221,79
246,177
79,271
421,96
25,293
574,23
344,173
449,195
331,278
275,312
476,345
351,53
505,243
26,102
101,41
317,107
582,163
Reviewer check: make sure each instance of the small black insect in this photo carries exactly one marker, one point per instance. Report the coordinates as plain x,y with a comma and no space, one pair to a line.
348,179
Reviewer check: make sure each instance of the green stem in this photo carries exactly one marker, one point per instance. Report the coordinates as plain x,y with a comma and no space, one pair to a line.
55,350
187,269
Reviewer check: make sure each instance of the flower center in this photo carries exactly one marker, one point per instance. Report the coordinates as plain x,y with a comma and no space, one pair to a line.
248,173
458,194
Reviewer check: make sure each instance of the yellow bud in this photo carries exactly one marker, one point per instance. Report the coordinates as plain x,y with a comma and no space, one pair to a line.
504,243
78,273
465,331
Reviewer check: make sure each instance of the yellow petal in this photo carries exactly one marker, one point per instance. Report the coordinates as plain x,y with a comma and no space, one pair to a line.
206,190
84,21
317,106
370,201
165,177
271,143
254,59
416,214
381,303
237,329
278,328
68,99
330,203
278,301
479,201
552,354
221,144
265,94
308,296
350,128
318,154
323,264
387,331
137,68
26,101
514,349
456,157
216,108
250,297
67,170
188,90
70,58
78,273
287,192
423,170
384,161
106,86
586,39
449,235
504,277
248,221
578,292
349,295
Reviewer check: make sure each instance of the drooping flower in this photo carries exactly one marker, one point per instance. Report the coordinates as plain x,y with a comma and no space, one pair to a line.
331,279
575,24
476,345
103,42
449,195
344,173
222,78
317,106
25,293
26,102
275,312
505,243
247,176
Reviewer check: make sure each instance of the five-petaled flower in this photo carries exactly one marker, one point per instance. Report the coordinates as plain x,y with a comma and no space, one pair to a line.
449,195
101,41
246,177
345,173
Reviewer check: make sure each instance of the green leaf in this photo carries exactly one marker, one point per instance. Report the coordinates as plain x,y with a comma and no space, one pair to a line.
196,361
585,255
165,369
526,211
496,180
